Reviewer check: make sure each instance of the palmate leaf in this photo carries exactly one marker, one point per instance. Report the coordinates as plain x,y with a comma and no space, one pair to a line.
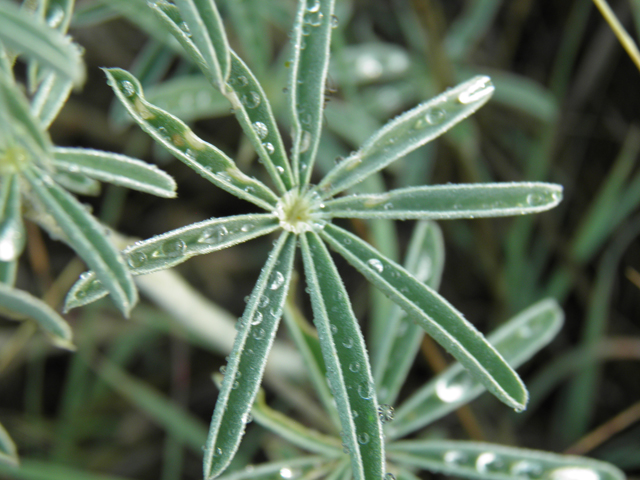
243,373
517,341
494,462
86,236
115,168
174,247
446,202
433,313
346,360
407,132
21,305
26,34
177,138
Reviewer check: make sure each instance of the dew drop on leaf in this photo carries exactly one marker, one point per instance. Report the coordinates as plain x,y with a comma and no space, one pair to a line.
434,116
477,91
572,473
280,170
277,281
305,141
363,438
454,457
257,318
365,391
136,259
376,265
264,301
525,468
354,367
389,476
534,199
268,146
128,88
185,28
314,6
334,21
488,461
261,130
174,248
385,413
259,333
250,100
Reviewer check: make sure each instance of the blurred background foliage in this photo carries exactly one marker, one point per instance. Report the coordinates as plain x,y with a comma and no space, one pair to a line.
135,399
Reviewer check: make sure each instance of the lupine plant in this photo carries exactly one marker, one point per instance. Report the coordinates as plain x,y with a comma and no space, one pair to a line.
356,393
37,176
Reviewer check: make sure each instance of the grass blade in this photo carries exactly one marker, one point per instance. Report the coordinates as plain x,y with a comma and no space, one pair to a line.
294,431
407,132
86,236
488,461
204,26
20,305
309,67
12,233
447,202
345,356
117,169
174,247
8,450
243,373
434,314
425,261
29,35
177,138
517,341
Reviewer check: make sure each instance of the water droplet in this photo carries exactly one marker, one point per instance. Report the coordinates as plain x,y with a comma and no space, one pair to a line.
376,265
217,452
573,473
487,461
478,90
305,141
268,146
435,116
55,16
365,390
185,28
264,301
128,88
389,476
257,318
261,129
214,234
388,206
247,227
334,21
242,81
314,6
136,259
174,248
163,131
235,385
534,199
286,472
347,241
354,367
348,343
334,329
280,170
453,389
259,333
385,413
223,369
526,468
247,418
454,457
363,438
250,100
276,281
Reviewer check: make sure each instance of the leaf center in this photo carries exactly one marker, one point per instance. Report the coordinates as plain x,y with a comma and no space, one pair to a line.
299,212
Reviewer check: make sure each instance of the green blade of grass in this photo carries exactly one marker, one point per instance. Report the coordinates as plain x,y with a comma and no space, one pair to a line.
172,248
345,356
247,360
433,313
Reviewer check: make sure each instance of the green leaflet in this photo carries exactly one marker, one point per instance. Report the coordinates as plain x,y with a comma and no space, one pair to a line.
8,271
517,341
174,247
117,169
178,139
494,462
204,26
407,132
446,202
28,35
50,98
433,313
243,373
310,64
78,184
12,233
86,236
294,431
346,359
401,342
21,305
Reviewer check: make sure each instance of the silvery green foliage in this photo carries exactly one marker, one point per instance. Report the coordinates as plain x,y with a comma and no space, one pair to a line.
302,214
35,175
